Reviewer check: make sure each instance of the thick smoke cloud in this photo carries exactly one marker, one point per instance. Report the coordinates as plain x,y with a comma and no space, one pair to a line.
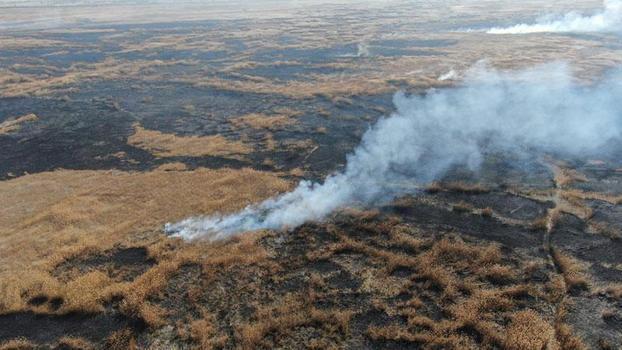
536,110
608,19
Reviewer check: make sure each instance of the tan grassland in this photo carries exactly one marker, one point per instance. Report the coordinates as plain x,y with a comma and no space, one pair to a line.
266,122
12,125
170,145
48,216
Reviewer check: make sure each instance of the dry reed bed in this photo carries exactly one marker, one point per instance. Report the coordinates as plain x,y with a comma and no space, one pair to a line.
49,217
14,124
170,145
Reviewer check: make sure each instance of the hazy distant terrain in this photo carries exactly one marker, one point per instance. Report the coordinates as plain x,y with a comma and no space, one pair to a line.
44,3
118,118
64,3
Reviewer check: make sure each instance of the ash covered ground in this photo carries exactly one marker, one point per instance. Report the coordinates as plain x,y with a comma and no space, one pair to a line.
117,119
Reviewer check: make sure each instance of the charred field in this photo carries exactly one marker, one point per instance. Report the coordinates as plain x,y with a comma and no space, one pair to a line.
112,127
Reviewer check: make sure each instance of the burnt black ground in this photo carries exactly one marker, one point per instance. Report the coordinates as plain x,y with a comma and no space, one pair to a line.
43,328
84,126
123,264
85,132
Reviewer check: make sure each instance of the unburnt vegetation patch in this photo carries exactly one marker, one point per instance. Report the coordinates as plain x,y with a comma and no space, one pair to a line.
170,145
74,242
14,124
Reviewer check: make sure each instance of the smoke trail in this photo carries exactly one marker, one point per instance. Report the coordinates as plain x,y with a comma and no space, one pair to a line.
362,50
451,75
607,20
540,108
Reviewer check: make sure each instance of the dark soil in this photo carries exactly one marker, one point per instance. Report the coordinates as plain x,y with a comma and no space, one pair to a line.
44,328
122,264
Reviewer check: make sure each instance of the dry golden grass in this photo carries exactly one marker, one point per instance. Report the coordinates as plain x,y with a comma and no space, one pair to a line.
564,176
196,41
239,251
263,121
13,43
148,284
86,292
556,289
550,220
565,335
371,75
121,339
50,216
203,333
397,333
612,199
609,314
107,69
176,166
298,172
323,113
8,77
18,344
393,260
441,266
269,143
540,223
498,273
528,330
613,291
13,125
75,343
487,212
456,270
400,235
462,207
573,272
288,111
290,312
605,229
569,201
170,145
329,86
575,207
307,144
340,100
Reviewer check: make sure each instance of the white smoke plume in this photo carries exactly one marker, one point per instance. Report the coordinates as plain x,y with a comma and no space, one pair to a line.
541,109
362,50
609,19
451,75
